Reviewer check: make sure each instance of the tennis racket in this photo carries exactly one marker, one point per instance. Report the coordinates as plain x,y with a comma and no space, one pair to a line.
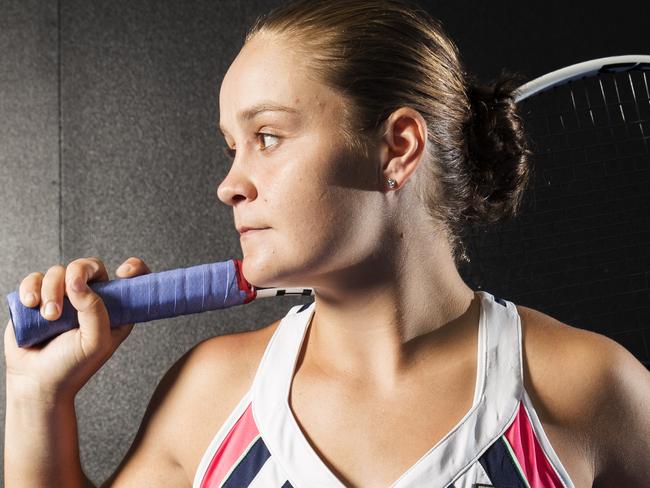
598,110
150,297
578,248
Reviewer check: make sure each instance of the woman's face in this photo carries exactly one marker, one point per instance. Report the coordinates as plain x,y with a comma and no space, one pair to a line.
322,207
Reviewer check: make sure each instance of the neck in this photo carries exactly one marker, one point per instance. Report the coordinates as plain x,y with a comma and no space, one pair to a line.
377,322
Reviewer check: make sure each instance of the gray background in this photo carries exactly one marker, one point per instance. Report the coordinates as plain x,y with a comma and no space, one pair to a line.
109,147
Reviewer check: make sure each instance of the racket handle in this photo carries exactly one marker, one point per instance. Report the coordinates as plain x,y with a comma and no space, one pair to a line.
143,298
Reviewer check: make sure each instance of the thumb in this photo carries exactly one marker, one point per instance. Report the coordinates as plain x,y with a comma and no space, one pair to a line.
94,324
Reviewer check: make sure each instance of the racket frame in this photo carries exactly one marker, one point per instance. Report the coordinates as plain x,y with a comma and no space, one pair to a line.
610,64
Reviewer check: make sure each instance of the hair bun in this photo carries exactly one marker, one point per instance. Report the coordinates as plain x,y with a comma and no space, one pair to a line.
497,151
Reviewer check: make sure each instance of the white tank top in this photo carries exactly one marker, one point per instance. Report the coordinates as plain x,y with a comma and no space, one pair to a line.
499,442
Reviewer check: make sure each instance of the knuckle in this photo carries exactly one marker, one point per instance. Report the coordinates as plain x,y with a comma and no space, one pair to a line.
96,261
69,281
24,291
95,266
88,349
30,281
79,262
94,303
74,268
55,269
52,281
92,261
78,267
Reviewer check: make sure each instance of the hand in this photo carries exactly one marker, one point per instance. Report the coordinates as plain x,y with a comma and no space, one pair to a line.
65,363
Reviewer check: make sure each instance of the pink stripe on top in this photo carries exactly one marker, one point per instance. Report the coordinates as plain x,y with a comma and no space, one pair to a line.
531,457
239,438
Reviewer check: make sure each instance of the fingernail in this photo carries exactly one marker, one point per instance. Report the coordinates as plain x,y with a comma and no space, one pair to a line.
51,309
30,298
125,268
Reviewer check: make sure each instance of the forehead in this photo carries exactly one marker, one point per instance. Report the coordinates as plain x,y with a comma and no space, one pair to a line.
268,73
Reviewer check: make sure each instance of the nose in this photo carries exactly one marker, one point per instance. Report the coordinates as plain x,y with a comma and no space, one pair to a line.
236,187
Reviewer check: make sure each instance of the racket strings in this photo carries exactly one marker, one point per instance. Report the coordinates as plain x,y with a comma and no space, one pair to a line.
644,134
585,220
601,116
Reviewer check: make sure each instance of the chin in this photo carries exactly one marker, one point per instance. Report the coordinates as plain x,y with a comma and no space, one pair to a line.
268,272
258,271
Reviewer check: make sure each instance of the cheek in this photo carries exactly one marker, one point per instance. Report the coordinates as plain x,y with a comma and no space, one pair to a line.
334,220
318,229
302,193
313,211
326,198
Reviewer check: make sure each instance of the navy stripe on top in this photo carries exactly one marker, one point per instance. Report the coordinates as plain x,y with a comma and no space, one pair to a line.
249,466
500,467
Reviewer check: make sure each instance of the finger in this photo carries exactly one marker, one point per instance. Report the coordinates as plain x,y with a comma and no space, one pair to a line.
94,325
52,289
30,289
94,269
132,267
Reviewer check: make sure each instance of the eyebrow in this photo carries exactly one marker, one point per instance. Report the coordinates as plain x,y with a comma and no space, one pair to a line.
264,106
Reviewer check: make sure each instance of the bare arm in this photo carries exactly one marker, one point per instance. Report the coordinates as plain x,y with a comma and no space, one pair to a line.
41,446
41,437
151,460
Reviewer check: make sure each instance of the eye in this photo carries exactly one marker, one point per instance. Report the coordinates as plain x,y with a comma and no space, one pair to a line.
262,135
230,153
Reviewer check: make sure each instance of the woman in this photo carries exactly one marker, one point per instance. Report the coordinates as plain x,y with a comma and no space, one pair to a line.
360,149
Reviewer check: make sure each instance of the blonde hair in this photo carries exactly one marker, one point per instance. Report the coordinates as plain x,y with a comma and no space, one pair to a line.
386,54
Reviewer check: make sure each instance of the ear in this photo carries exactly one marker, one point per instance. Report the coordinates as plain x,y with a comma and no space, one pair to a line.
402,145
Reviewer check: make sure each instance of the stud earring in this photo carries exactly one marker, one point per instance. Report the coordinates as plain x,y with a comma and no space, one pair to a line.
392,183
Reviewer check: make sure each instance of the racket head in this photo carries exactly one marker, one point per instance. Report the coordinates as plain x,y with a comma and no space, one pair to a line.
579,247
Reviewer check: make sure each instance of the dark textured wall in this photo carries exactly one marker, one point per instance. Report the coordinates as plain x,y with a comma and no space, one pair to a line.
29,144
109,148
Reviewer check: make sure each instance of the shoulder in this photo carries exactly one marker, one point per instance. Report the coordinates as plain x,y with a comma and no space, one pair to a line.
231,353
593,387
225,361
192,400
219,371
199,392
562,365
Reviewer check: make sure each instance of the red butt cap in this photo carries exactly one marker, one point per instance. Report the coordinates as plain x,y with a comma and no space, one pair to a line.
243,284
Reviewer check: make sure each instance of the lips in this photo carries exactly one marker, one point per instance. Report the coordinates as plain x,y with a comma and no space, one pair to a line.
250,230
